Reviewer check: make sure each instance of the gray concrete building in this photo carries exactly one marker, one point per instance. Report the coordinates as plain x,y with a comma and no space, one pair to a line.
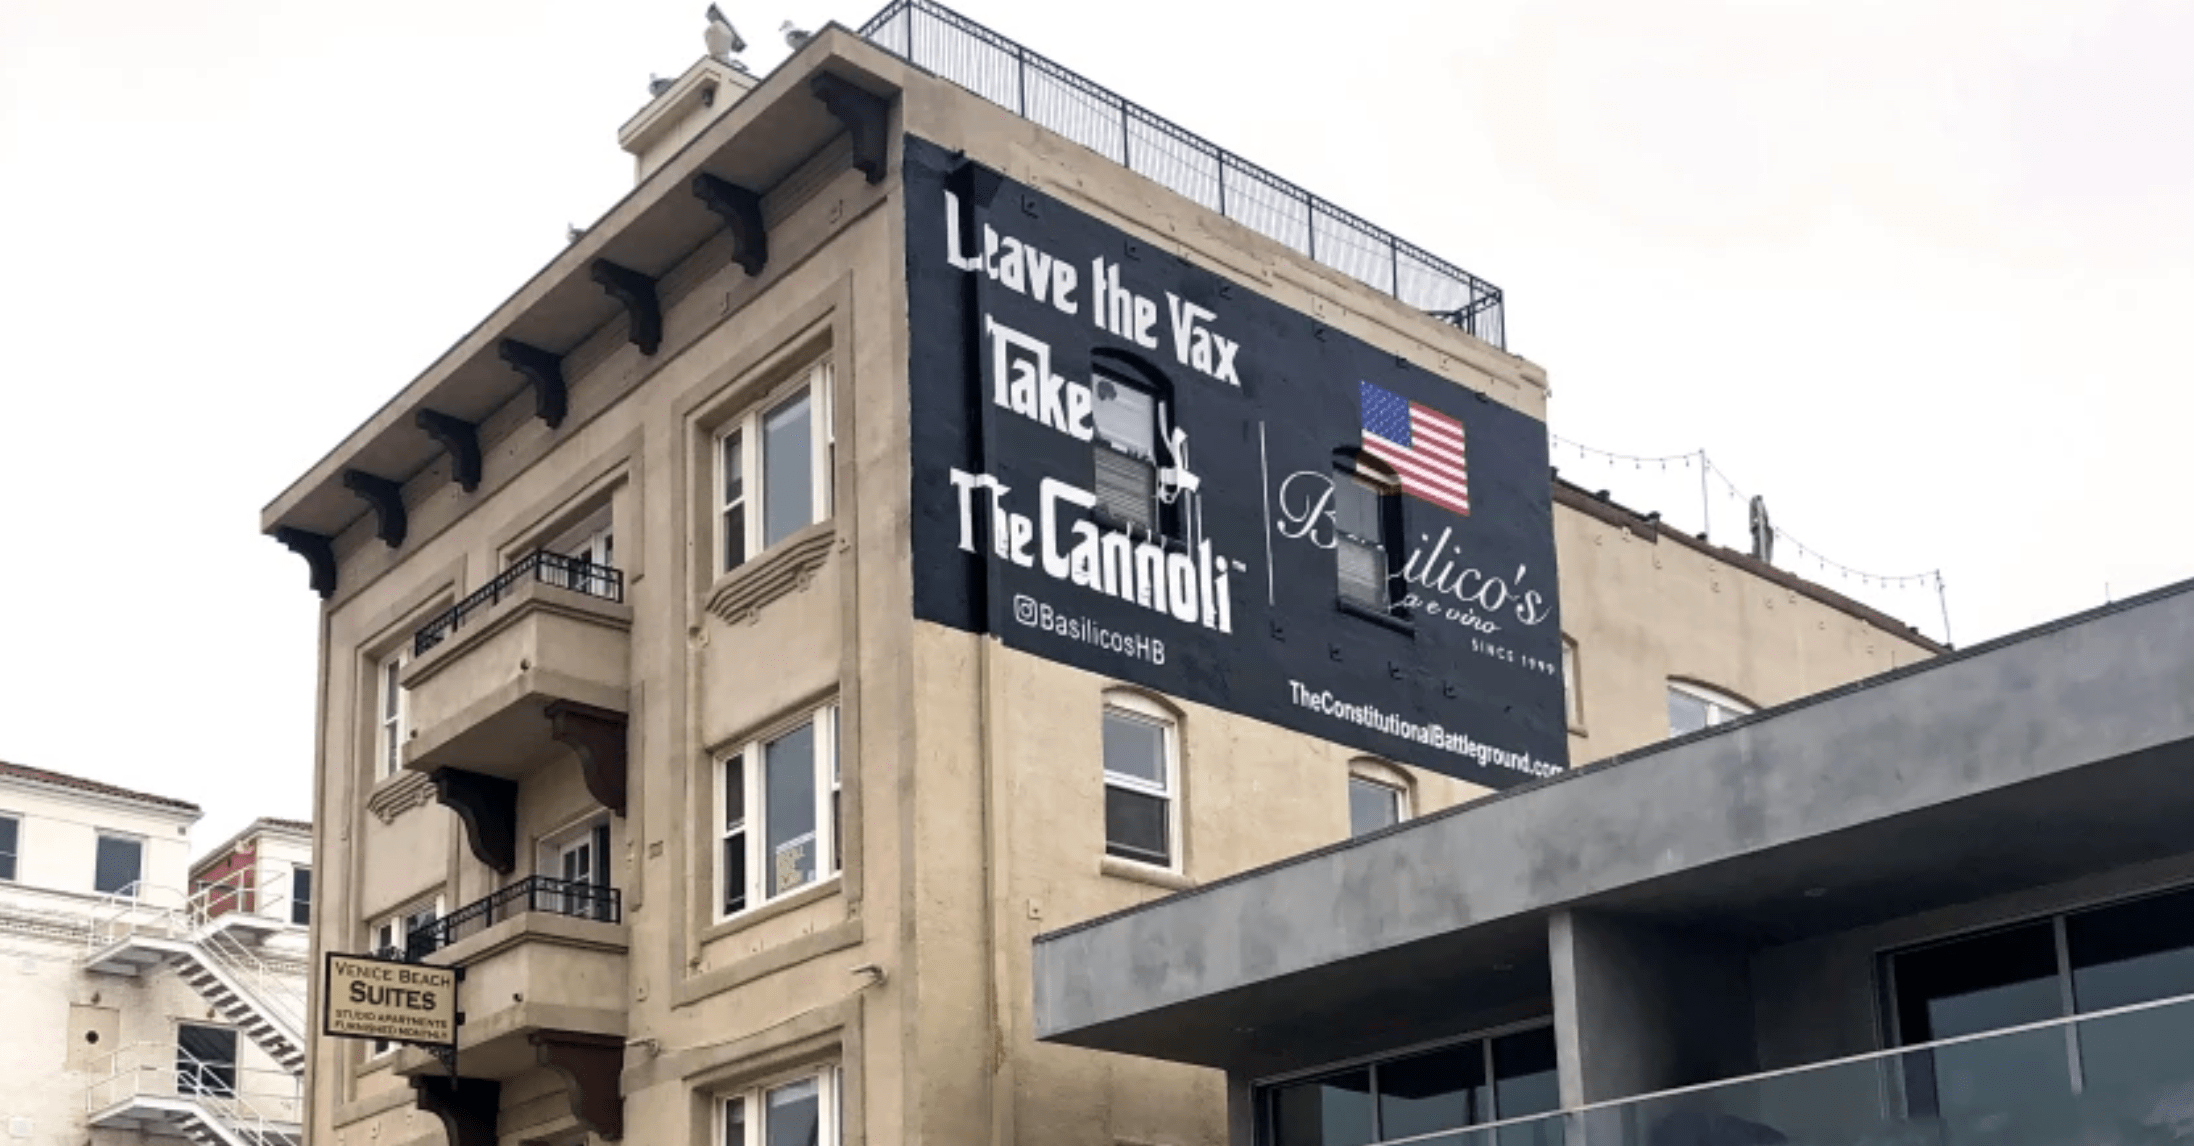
1951,903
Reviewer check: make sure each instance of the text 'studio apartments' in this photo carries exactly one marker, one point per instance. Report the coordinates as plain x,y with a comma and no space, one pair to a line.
913,519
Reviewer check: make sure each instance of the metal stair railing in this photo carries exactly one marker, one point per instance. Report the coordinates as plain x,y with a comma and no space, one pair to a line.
247,1106
282,1000
189,918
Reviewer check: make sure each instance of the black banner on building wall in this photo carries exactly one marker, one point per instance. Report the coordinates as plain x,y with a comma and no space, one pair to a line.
1124,463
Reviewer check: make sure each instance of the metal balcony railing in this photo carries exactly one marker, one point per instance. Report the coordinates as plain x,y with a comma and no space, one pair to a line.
534,894
256,1104
936,38
574,573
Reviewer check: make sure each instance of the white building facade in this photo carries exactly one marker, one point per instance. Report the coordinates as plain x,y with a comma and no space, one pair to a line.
144,995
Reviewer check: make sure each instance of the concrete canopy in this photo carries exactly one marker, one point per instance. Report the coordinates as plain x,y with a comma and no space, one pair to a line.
2053,753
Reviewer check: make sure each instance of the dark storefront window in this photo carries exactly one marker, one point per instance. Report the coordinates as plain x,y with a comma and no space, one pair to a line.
1423,1092
2082,962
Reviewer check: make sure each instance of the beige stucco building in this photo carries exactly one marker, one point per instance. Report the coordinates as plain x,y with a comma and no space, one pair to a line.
568,602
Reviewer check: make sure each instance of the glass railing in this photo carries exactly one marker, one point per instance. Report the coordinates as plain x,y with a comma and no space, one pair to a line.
2123,1077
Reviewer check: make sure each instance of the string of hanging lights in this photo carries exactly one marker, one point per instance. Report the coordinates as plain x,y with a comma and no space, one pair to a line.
1806,557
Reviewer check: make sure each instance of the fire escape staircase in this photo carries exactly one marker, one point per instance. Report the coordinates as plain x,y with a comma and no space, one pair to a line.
215,947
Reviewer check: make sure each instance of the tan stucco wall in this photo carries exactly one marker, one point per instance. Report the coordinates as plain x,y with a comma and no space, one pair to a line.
972,776
1646,609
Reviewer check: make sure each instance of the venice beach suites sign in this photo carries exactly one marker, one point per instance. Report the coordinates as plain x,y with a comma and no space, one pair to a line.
1126,464
368,998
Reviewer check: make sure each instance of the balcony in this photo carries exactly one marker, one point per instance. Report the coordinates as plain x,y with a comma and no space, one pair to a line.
544,967
537,658
154,1088
2121,1076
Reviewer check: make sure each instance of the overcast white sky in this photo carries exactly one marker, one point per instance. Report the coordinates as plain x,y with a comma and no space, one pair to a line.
1917,272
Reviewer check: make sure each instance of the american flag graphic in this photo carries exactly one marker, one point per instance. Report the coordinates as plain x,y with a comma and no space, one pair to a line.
1423,445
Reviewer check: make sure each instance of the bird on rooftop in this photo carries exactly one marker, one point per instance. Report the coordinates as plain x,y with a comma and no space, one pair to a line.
721,37
795,36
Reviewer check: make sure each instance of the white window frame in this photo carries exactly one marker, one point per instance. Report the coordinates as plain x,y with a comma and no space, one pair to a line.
15,857
310,893
1382,487
391,931
1141,709
389,727
591,540
133,887
1721,708
817,382
1386,778
235,1064
750,758
829,1105
1573,697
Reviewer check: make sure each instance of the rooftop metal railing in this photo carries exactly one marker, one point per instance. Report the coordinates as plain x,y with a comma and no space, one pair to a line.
574,573
940,40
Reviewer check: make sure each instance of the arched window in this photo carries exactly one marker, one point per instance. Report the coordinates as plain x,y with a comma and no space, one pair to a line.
1142,763
1692,707
1378,796
1367,524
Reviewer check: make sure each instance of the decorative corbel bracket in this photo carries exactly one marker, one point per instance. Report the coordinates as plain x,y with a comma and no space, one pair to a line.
467,1112
589,1065
741,211
318,550
637,293
387,499
458,438
597,735
545,371
488,807
867,117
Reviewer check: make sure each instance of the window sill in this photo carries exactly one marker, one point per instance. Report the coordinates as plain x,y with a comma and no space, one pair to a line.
731,924
1134,872
1384,620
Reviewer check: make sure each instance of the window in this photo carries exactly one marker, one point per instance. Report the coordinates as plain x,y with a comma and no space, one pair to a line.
1126,453
119,865
1573,701
390,708
205,1060
1468,1083
592,541
300,895
778,804
11,843
1142,773
1366,518
579,859
2096,959
1692,707
1373,805
797,1112
773,469
392,938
